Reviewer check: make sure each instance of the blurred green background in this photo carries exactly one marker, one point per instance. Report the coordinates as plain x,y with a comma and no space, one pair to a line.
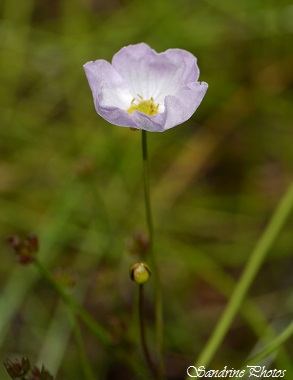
76,181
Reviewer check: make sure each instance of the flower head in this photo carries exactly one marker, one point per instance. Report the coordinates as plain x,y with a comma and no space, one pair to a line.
25,249
139,272
143,89
17,369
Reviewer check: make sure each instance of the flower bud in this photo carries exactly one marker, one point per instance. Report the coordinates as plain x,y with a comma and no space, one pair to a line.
16,369
42,374
65,278
138,243
25,249
139,272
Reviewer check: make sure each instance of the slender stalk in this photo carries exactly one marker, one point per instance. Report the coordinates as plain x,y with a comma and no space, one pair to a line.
147,198
157,287
257,257
142,330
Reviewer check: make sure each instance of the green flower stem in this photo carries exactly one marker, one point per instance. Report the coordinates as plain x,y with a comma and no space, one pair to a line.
142,330
272,346
257,257
101,334
155,271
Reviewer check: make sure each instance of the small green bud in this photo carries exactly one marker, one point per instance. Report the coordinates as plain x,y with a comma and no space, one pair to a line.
139,272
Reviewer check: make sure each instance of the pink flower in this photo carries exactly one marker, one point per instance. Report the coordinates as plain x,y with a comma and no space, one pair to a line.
143,89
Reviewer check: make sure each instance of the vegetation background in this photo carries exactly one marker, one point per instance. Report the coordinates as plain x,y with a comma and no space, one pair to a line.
76,181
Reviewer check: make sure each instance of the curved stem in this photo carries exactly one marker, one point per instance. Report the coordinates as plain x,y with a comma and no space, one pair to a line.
256,259
158,296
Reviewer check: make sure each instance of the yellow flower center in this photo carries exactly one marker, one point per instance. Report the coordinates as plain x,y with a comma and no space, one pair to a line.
146,106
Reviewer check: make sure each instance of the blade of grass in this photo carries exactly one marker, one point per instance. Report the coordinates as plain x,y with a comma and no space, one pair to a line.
272,346
257,257
224,283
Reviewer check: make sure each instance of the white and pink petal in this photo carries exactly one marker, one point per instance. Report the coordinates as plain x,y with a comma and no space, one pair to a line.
170,78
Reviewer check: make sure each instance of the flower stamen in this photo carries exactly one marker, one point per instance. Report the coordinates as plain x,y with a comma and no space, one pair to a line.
146,106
